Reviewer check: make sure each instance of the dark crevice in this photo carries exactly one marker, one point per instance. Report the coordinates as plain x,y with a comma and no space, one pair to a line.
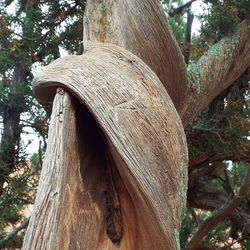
113,218
99,172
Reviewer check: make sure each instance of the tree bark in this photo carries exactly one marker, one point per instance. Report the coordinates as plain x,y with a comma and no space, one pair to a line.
140,27
114,176
135,165
217,69
132,24
11,125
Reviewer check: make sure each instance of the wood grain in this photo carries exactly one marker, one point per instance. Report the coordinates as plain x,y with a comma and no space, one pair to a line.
123,175
140,27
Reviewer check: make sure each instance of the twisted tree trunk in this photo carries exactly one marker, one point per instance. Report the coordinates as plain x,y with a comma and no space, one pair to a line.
114,175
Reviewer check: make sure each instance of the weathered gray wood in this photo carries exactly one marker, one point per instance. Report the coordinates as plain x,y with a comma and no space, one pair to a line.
55,179
140,27
114,175
130,188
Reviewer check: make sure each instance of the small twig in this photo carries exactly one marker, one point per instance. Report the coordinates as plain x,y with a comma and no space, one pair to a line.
29,38
232,243
14,232
169,5
221,214
40,155
211,131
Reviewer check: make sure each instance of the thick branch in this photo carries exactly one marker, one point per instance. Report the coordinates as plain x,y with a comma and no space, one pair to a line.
190,19
14,232
140,27
216,70
180,9
221,214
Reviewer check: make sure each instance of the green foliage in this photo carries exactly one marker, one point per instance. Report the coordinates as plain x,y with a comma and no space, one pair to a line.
177,22
18,192
187,228
178,27
222,18
31,34
227,128
219,138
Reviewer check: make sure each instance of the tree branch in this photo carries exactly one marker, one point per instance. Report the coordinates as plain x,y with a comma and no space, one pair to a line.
218,68
221,214
14,232
190,19
180,9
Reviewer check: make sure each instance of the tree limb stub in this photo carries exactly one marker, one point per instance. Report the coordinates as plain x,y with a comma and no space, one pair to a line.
139,132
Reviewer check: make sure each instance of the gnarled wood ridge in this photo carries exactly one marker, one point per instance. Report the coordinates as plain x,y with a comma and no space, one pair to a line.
115,170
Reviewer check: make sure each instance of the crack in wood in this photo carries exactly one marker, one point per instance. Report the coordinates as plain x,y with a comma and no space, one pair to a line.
114,224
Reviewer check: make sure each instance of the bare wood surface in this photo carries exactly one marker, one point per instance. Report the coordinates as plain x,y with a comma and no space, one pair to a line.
140,27
57,169
142,139
114,175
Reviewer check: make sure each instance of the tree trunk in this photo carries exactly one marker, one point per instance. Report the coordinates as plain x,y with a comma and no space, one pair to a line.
140,27
113,161
114,175
11,130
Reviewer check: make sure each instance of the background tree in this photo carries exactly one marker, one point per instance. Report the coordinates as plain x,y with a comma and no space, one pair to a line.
31,34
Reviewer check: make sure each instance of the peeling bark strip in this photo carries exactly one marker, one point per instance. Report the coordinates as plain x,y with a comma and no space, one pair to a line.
140,208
